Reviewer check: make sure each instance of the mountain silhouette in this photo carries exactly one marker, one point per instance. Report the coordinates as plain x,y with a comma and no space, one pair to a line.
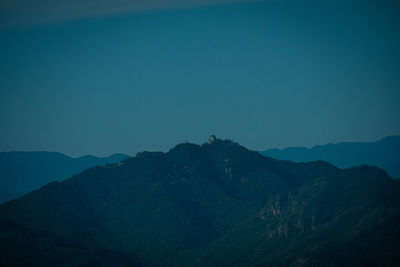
22,172
384,153
215,204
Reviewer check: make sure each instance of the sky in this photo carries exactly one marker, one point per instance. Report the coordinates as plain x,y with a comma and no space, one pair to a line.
100,77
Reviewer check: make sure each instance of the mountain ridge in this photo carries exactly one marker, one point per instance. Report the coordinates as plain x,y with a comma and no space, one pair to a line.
22,172
384,153
220,204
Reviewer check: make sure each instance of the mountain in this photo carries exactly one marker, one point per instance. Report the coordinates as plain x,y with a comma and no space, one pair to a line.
42,249
215,204
22,172
384,153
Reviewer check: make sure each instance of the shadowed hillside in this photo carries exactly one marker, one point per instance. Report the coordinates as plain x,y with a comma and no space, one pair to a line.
22,172
216,204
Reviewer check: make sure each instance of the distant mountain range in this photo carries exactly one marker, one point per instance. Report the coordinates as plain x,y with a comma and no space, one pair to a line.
384,153
215,204
22,172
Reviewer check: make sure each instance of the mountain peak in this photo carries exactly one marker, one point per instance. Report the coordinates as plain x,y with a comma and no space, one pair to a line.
212,139
208,201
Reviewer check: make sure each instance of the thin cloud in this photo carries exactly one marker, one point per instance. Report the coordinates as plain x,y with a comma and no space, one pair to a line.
27,12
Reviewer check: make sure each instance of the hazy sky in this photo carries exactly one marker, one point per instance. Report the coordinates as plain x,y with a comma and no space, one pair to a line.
124,76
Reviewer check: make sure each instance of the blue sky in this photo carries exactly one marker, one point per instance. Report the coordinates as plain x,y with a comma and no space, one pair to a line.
263,73
17,13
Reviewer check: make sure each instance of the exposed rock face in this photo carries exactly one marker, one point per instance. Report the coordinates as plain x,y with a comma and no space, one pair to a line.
215,204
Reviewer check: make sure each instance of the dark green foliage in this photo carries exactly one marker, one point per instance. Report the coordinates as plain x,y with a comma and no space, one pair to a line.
21,246
217,204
